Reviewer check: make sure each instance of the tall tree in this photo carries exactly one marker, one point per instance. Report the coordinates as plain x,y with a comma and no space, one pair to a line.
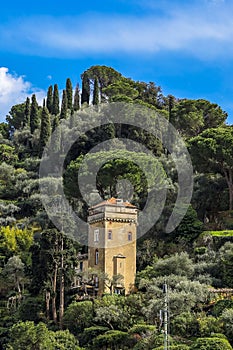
26,121
45,130
69,94
55,259
55,109
76,98
105,76
34,114
16,117
212,153
96,92
56,135
85,98
49,100
64,105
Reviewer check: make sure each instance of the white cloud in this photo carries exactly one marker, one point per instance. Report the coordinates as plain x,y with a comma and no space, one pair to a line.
14,89
204,29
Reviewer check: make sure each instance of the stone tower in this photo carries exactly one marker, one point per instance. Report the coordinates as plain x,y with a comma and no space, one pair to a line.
112,243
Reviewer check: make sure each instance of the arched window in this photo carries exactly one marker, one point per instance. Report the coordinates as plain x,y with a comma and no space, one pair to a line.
96,256
129,236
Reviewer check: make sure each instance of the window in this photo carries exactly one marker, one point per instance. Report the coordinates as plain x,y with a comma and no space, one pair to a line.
119,201
96,235
110,234
96,257
129,236
81,266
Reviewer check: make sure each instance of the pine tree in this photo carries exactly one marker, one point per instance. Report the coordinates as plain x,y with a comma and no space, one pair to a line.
26,121
76,98
69,94
45,130
85,98
34,114
96,92
64,105
56,108
49,101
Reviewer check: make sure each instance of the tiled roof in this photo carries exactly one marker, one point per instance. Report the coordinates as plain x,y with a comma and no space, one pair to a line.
113,201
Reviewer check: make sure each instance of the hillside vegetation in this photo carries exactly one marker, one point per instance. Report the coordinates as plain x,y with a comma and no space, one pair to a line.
38,307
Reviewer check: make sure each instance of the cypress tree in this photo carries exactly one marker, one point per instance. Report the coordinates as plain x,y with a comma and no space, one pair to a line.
45,130
69,94
85,98
26,121
76,98
56,136
34,114
96,92
55,109
49,101
64,105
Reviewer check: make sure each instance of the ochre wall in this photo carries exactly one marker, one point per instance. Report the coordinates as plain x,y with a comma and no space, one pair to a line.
119,245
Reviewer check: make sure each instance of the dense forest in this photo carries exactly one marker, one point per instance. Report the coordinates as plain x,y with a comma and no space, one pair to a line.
39,309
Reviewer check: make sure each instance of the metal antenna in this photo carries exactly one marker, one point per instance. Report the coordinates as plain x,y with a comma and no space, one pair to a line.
165,317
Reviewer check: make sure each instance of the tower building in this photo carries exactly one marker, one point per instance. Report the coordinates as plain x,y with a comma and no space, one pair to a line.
112,243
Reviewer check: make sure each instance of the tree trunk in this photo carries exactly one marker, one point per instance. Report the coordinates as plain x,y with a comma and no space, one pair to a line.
62,286
54,309
229,180
47,303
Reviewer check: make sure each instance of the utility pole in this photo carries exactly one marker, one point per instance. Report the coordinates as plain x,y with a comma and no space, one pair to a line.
165,317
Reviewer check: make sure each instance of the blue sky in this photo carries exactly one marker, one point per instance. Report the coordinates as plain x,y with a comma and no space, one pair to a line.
186,47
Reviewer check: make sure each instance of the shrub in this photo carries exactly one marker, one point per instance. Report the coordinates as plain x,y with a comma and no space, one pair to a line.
113,339
211,344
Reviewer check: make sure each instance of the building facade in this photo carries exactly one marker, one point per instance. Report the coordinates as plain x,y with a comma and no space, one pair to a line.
112,244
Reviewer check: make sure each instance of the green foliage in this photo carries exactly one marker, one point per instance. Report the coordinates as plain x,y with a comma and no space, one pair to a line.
76,105
227,319
4,132
211,152
90,333
189,228
26,121
122,164
56,108
27,336
49,100
220,306
31,309
174,347
224,233
85,97
113,339
185,325
64,105
78,316
45,130
69,94
15,241
7,154
34,115
16,117
96,92
208,325
36,263
211,344
191,117
64,340
226,264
